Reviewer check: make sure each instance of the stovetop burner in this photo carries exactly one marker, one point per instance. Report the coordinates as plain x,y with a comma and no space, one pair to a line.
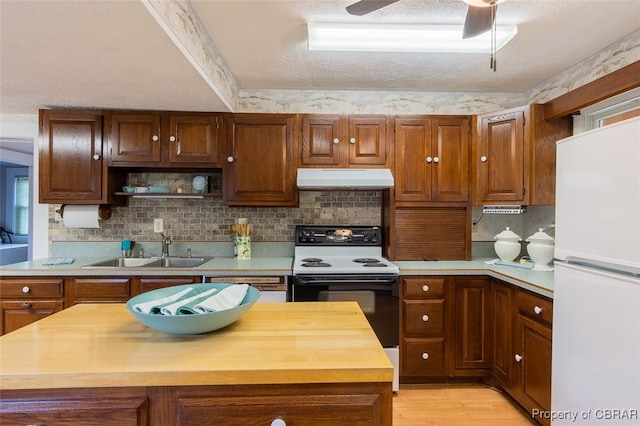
367,260
316,265
375,265
311,259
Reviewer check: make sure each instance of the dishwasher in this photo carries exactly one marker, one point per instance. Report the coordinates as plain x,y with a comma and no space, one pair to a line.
272,289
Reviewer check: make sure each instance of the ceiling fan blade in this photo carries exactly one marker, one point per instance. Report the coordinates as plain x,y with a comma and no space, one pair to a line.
479,20
363,7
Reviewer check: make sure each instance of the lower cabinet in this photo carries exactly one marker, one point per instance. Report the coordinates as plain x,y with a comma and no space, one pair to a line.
457,327
296,404
26,300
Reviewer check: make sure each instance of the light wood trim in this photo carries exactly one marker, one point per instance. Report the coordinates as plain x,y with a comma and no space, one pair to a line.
619,81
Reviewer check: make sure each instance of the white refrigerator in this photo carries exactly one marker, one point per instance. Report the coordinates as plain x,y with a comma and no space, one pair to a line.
596,309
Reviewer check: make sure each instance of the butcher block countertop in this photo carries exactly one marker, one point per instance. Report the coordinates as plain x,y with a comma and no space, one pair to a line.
103,345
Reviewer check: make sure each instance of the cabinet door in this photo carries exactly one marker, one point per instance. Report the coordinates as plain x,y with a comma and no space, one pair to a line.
98,289
502,328
368,141
71,159
471,323
500,158
412,149
450,148
194,139
533,342
260,167
135,138
322,138
18,313
153,283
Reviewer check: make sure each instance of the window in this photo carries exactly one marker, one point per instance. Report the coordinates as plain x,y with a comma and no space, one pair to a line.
620,107
21,205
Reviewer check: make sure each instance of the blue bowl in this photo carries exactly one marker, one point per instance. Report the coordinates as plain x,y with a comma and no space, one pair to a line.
191,324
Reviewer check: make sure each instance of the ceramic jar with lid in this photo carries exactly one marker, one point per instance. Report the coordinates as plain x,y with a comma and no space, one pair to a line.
507,245
540,248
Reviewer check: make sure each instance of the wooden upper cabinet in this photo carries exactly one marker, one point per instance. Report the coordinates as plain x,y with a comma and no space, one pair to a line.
432,159
152,139
260,166
72,169
514,158
344,141
500,158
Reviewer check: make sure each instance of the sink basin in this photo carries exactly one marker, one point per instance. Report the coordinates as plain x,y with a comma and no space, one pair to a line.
181,262
150,262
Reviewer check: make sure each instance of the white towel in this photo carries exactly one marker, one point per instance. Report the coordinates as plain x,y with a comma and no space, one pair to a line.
155,305
173,308
227,298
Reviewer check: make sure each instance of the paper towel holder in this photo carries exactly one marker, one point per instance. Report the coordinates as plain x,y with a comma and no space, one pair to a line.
104,211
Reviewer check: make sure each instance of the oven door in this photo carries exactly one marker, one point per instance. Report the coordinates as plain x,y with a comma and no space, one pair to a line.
377,295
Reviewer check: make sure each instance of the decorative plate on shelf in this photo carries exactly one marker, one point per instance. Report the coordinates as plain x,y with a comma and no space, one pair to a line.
199,184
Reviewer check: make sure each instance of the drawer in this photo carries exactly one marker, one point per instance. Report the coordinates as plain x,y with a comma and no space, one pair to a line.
423,317
535,307
423,287
85,290
422,357
28,288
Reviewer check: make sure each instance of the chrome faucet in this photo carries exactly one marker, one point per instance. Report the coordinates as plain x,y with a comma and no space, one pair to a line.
165,245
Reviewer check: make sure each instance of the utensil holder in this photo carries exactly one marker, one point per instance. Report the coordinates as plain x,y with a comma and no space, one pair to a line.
243,247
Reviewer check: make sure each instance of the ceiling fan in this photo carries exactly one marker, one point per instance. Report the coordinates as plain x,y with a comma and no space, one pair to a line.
481,17
480,14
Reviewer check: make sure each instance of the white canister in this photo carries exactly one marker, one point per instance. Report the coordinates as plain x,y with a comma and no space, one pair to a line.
540,248
507,245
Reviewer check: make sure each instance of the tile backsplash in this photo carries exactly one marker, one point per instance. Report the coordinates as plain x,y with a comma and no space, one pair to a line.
208,219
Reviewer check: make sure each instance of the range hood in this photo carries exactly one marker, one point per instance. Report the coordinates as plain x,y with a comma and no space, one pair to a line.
344,179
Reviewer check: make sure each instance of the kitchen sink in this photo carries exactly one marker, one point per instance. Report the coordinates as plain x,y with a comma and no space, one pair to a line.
150,262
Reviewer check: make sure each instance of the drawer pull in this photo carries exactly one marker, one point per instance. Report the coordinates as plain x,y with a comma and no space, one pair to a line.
425,355
537,310
518,357
26,305
336,141
425,318
425,288
26,289
278,422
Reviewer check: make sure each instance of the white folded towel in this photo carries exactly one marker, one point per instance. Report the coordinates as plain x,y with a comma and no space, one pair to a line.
173,309
227,298
153,306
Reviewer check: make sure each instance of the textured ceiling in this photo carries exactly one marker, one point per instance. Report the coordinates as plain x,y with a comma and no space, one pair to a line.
113,54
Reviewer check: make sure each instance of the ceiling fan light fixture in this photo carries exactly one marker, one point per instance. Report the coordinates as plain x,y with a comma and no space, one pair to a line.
483,3
401,38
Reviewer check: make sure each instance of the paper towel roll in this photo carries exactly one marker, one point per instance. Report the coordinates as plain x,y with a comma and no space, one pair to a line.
81,216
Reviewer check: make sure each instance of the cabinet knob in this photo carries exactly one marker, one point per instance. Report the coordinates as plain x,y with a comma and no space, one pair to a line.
155,138
429,159
425,318
352,140
336,141
229,159
483,158
26,305
425,355
172,138
96,156
436,159
425,288
518,357
278,422
26,289
537,310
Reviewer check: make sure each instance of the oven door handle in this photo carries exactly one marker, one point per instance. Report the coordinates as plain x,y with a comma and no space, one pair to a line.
306,281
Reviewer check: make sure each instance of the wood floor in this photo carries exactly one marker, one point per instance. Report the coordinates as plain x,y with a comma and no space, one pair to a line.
452,405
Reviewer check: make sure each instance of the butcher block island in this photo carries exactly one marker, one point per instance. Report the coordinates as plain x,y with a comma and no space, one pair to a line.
280,364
